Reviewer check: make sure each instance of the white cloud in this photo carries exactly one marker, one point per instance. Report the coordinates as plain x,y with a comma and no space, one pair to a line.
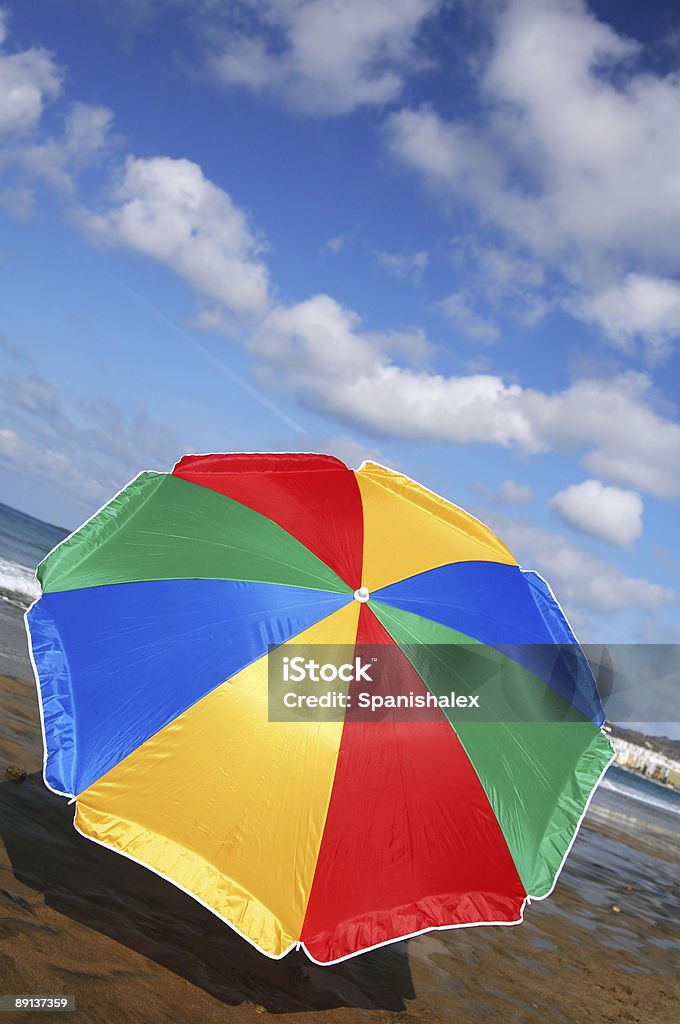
321,56
86,129
85,138
404,264
168,210
451,156
577,159
579,579
82,449
457,308
317,349
9,443
638,307
508,273
52,467
609,513
506,281
626,440
511,282
410,344
28,80
336,243
512,493
319,352
509,493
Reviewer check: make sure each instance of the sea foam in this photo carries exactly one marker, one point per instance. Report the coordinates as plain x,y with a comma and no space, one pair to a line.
18,584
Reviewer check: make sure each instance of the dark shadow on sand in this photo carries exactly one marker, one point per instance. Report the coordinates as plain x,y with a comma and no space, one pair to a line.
122,900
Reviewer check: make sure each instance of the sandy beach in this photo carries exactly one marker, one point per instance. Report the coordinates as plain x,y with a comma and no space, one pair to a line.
79,920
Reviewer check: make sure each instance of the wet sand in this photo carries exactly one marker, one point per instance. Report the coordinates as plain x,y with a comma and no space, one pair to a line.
76,919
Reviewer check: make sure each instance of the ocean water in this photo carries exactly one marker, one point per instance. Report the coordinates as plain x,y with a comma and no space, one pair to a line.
24,542
635,787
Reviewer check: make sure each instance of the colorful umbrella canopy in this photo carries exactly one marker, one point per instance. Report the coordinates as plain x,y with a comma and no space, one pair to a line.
150,647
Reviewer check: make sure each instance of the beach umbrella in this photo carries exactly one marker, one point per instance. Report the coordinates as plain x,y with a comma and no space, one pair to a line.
159,647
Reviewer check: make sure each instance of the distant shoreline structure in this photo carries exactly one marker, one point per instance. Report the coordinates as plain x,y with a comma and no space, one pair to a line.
641,755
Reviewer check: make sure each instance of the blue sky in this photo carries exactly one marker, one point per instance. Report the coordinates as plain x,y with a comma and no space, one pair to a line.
442,235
